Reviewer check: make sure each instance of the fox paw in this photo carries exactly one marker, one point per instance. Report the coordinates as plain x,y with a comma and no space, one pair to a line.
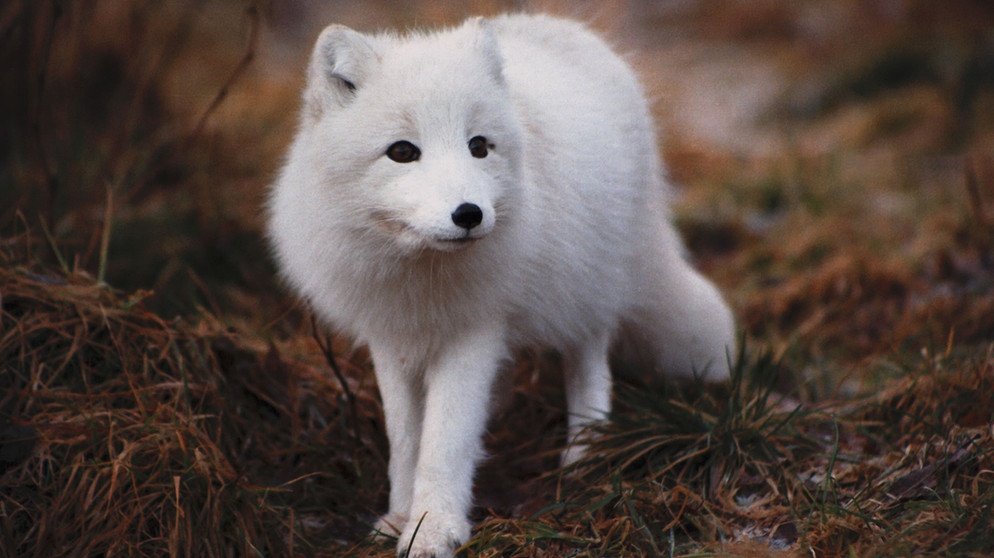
389,525
433,537
573,453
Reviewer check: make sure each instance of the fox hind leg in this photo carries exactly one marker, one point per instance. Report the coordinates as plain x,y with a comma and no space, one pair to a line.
588,393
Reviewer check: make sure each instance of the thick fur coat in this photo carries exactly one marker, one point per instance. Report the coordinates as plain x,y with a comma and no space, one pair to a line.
451,197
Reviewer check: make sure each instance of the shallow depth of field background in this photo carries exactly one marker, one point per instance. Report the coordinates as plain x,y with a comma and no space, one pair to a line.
161,393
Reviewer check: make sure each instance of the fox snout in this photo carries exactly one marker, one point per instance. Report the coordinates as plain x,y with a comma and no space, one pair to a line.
467,216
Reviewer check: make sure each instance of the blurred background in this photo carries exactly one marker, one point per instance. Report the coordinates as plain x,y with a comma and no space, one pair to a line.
833,171
834,137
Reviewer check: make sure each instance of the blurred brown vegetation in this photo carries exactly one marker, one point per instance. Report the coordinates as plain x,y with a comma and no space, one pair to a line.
161,393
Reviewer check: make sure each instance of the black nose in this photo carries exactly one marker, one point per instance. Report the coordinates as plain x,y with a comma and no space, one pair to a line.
467,216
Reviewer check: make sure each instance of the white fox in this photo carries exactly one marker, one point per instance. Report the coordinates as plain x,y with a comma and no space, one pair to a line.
452,197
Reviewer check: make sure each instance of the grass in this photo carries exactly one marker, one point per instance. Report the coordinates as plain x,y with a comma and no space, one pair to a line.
161,393
128,428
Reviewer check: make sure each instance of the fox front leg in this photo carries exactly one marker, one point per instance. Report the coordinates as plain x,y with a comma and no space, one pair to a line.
457,401
403,410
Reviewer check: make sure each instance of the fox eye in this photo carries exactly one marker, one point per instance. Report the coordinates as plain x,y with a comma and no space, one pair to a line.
478,147
403,152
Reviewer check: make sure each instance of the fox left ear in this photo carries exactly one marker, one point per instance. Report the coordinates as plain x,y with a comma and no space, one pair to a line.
488,47
341,62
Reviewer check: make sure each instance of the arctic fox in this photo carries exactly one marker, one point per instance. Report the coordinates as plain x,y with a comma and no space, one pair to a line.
454,196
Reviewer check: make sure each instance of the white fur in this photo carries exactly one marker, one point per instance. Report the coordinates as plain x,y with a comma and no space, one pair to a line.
574,251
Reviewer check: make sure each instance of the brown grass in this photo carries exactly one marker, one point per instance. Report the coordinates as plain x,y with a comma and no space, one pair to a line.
132,440
191,410
145,437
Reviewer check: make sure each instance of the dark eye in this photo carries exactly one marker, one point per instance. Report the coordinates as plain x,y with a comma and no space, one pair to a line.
403,152
478,147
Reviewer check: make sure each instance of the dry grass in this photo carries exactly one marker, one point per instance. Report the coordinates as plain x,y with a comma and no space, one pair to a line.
847,209
128,434
133,439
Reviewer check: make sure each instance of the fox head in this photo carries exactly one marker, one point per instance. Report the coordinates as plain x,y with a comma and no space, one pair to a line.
413,140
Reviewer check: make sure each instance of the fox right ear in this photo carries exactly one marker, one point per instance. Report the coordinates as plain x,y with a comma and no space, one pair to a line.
341,62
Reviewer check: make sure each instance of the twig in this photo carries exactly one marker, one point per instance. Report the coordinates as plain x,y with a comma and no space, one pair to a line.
253,14
329,355
51,180
53,245
105,236
985,229
184,146
973,189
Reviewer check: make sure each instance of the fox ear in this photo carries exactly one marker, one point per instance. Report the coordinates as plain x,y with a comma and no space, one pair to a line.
488,47
341,62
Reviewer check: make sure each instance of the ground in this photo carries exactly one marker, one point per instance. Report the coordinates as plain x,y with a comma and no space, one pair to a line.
161,393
